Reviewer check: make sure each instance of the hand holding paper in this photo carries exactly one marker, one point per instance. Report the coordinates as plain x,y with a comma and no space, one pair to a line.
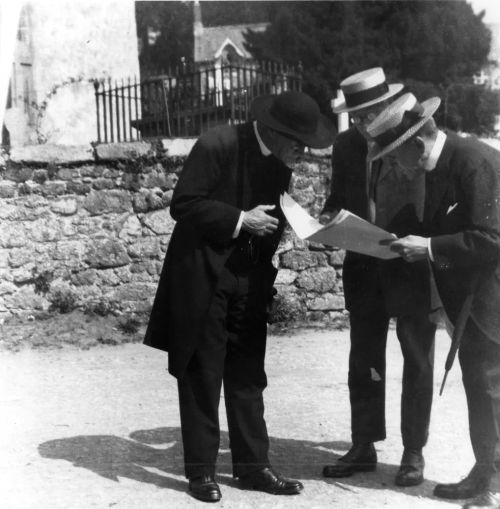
345,230
412,248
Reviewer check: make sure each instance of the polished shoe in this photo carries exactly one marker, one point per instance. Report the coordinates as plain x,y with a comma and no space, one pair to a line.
411,471
360,458
487,500
474,484
205,488
269,481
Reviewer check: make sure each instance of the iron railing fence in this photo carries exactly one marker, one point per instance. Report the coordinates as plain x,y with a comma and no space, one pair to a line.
186,102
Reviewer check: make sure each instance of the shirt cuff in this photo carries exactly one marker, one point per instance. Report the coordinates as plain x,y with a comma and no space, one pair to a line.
238,225
431,256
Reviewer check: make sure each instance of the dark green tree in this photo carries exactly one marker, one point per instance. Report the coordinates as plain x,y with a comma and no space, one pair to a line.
429,45
217,13
470,108
173,23
439,41
436,42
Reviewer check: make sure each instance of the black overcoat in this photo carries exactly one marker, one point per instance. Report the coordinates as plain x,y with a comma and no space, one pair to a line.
224,174
400,202
462,217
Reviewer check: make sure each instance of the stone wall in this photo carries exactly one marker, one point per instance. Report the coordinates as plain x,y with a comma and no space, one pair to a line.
89,227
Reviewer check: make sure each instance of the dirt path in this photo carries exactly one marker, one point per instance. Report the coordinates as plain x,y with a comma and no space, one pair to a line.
99,428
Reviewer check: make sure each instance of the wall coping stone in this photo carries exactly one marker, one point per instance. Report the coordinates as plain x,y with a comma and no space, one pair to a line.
321,152
72,154
50,153
124,150
178,147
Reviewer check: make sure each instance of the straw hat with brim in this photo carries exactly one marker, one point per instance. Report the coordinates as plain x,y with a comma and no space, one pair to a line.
365,89
398,123
296,115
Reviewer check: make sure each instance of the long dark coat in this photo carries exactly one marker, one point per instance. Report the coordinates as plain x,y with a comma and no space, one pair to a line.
400,201
224,174
462,217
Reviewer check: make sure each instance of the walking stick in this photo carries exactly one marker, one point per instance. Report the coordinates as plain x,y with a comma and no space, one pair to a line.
458,332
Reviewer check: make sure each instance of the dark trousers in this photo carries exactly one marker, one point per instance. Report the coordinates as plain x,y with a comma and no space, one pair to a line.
367,368
232,351
480,362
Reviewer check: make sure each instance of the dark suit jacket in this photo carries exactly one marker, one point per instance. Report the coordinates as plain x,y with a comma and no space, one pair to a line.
404,287
224,174
462,217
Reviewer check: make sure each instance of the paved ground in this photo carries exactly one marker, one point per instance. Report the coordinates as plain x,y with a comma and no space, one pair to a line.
99,428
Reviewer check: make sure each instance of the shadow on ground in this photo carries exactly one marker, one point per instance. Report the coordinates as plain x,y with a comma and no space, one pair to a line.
160,450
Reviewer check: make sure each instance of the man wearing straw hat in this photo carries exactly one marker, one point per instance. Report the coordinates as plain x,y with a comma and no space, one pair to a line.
461,238
210,310
377,290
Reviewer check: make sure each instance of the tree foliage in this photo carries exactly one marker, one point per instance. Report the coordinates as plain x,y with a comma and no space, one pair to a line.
470,108
437,42
173,24
217,13
432,46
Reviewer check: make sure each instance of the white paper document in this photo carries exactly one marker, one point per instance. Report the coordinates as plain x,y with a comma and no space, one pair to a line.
345,231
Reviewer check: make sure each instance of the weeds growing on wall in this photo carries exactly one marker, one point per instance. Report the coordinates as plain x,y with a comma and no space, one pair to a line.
100,307
62,297
129,324
42,280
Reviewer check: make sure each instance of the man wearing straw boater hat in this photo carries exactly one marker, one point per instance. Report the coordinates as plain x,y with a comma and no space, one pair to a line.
377,290
210,310
461,239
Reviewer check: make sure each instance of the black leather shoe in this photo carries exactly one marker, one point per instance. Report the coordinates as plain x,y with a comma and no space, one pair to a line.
360,458
411,471
474,484
487,500
205,488
269,481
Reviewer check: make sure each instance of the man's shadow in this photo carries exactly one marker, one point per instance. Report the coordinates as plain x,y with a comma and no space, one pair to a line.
155,455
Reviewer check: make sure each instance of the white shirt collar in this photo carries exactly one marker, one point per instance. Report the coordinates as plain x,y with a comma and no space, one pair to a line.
436,150
265,151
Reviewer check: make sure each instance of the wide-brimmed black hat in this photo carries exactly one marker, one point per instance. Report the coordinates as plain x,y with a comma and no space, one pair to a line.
297,115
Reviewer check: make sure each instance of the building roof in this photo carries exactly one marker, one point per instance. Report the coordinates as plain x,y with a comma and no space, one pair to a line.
212,40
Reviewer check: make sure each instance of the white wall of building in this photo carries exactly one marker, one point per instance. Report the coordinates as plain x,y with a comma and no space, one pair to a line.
74,42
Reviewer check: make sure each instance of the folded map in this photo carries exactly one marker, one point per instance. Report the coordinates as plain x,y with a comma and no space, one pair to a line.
345,231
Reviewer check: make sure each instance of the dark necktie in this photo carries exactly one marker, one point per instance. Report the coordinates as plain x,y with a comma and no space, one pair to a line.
372,171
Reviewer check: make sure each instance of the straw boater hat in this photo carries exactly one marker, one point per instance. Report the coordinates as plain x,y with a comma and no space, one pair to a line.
398,123
297,115
364,89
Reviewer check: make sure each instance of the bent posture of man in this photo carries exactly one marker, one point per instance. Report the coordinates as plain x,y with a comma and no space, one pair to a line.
461,239
210,310
377,290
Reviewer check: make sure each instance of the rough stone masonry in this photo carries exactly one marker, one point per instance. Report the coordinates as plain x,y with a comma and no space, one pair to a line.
87,227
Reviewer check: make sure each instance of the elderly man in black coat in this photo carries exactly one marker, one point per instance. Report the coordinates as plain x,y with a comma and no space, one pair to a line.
461,239
210,310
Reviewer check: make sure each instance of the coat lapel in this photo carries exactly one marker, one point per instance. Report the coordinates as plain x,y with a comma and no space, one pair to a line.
385,169
437,181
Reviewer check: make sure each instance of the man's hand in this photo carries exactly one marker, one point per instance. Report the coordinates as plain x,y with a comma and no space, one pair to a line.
257,222
412,248
326,217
